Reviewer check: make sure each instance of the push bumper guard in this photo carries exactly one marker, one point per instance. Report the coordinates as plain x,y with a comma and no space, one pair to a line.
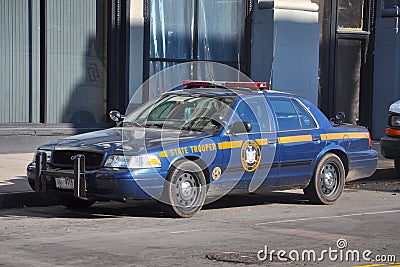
78,175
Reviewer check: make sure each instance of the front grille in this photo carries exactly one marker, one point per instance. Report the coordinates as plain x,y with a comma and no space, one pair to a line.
62,159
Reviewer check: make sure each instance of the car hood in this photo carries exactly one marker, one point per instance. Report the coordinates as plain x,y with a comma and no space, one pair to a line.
132,140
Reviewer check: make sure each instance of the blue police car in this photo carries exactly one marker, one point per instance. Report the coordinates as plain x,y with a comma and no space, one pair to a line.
203,141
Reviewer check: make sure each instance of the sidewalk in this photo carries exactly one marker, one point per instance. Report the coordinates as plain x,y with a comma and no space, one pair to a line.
16,192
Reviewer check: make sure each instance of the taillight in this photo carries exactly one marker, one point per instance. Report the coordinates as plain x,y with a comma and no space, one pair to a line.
370,140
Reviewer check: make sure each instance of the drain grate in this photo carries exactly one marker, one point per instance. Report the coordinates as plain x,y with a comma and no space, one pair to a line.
245,257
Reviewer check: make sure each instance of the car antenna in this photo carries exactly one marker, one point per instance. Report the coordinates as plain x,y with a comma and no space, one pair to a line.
273,59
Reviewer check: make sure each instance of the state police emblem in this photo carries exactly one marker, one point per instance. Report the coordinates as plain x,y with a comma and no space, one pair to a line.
250,155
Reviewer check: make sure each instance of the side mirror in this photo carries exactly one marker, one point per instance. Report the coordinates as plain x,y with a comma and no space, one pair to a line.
239,127
116,116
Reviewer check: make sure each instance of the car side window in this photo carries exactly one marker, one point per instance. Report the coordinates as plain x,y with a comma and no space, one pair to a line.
255,111
307,122
285,113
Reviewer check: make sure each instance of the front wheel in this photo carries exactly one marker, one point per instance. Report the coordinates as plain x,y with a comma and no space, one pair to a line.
328,180
184,190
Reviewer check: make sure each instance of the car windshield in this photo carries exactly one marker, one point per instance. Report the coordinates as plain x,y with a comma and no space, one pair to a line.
187,112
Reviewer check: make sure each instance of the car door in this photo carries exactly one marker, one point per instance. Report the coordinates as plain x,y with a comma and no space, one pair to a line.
299,140
249,157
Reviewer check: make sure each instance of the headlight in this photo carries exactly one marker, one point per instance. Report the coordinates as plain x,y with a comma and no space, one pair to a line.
116,161
48,154
134,162
395,121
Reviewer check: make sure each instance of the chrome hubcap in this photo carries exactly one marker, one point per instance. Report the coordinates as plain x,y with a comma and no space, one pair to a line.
329,179
187,190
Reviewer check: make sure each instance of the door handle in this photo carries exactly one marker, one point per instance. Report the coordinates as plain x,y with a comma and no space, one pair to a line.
316,138
271,141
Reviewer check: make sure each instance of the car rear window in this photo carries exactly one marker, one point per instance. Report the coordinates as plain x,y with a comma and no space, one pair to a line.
307,122
285,114
291,115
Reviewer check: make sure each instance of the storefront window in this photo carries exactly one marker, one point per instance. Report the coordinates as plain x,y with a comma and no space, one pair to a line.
76,61
191,30
19,62
221,33
171,29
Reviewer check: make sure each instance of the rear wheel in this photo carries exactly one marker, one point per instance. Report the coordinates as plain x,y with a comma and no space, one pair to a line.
185,190
74,203
328,180
397,167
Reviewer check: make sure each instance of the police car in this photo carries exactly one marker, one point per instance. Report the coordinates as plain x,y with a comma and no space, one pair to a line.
203,141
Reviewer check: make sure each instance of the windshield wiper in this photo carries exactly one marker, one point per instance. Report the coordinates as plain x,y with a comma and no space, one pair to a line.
193,129
158,125
132,123
166,126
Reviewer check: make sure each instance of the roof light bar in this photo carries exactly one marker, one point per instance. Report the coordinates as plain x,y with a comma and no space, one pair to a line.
259,85
250,85
190,83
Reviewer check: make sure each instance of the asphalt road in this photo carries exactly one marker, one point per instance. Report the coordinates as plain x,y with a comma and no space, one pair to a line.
236,228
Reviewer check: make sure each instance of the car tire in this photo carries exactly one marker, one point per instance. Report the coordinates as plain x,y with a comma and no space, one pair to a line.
327,183
185,190
397,167
72,202
31,184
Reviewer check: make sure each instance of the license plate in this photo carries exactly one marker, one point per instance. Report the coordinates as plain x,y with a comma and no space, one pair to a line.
64,183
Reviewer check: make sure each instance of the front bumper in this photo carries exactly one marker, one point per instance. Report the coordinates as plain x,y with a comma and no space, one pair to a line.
390,147
107,183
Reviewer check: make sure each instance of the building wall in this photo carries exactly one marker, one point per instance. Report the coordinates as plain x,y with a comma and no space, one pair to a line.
136,39
285,46
387,63
346,62
284,49
262,41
